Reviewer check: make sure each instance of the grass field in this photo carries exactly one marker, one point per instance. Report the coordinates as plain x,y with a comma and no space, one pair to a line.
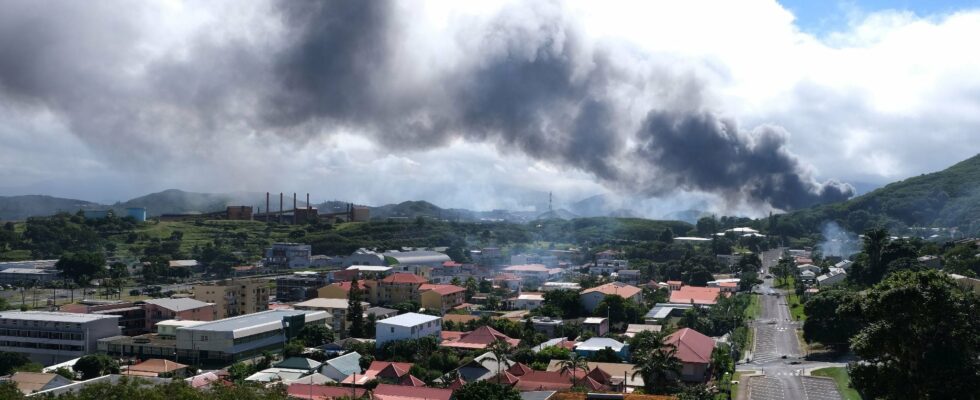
839,375
754,307
252,236
795,306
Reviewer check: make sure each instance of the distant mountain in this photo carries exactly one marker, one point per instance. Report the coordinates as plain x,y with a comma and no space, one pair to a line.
948,198
560,213
689,216
21,207
174,201
600,206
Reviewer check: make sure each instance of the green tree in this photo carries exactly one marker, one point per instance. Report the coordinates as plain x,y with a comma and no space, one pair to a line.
355,310
721,361
10,362
500,350
486,390
667,236
315,335
95,365
293,348
832,318
9,391
566,301
619,310
921,340
471,287
606,355
659,367
81,266
573,364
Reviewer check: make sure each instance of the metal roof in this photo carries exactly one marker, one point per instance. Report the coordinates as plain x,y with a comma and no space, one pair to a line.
409,319
595,344
178,304
53,316
247,322
417,256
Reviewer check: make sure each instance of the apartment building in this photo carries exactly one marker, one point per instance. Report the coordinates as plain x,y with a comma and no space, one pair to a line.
53,337
235,297
288,255
407,326
236,338
337,308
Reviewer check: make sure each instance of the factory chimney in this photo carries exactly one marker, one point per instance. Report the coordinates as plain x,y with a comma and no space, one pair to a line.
294,204
308,206
266,207
280,207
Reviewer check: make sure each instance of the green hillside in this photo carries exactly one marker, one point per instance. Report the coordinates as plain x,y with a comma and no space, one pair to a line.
21,207
174,201
948,198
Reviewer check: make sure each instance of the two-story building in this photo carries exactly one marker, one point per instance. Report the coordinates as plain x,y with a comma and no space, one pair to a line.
407,326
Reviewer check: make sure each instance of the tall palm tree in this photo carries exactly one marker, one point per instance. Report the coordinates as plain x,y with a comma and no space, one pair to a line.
573,364
874,243
658,367
500,349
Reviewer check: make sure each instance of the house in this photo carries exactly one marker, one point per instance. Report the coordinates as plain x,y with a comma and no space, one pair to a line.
695,295
320,392
402,392
808,267
808,277
380,312
182,308
508,281
844,264
557,342
30,382
157,367
523,378
393,371
694,350
834,277
727,285
341,290
619,372
441,297
482,367
930,261
547,325
276,374
337,308
398,288
674,285
339,368
589,347
303,363
633,329
407,326
534,272
526,301
590,298
597,326
631,276
661,313
549,286
479,339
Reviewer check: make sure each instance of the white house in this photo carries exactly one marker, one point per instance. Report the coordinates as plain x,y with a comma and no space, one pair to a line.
526,301
407,326
808,267
341,367
835,276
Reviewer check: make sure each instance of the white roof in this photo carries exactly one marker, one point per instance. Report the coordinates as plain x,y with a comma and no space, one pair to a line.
369,268
596,344
320,302
28,271
742,230
272,374
526,296
409,319
53,316
692,239
593,320
179,323
178,304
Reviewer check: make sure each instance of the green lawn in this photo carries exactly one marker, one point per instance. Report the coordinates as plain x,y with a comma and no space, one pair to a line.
795,306
839,375
754,307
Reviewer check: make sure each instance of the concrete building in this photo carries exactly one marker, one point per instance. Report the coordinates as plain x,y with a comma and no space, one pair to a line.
288,255
526,301
397,288
52,337
407,326
20,276
235,297
30,264
834,277
706,296
238,213
181,308
30,382
591,346
536,272
337,308
598,326
590,298
236,338
441,297
300,285
549,286
551,327
364,257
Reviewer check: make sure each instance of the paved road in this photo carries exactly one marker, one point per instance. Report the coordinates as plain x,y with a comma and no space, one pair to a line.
776,351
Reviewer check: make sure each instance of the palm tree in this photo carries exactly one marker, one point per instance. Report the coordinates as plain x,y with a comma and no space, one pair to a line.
573,364
500,349
874,243
657,367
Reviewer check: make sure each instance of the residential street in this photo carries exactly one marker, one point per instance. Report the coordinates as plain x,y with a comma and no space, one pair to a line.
776,352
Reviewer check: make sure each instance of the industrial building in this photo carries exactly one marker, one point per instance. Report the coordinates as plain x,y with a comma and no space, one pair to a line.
288,255
52,337
236,338
18,276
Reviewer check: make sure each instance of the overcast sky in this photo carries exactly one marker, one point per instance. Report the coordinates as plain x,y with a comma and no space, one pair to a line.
729,106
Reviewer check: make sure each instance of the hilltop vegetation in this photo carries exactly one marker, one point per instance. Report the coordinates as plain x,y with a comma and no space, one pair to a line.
948,198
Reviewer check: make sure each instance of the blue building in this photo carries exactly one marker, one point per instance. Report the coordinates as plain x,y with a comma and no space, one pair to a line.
138,213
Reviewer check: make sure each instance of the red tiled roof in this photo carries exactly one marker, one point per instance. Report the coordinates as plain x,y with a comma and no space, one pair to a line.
518,369
441,289
451,335
451,264
697,295
392,371
479,338
321,392
157,366
384,369
345,285
411,380
403,278
457,383
397,392
692,346
675,283
624,291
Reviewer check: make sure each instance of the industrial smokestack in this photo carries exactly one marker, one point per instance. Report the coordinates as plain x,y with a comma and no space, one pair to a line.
294,204
280,207
267,207
308,206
